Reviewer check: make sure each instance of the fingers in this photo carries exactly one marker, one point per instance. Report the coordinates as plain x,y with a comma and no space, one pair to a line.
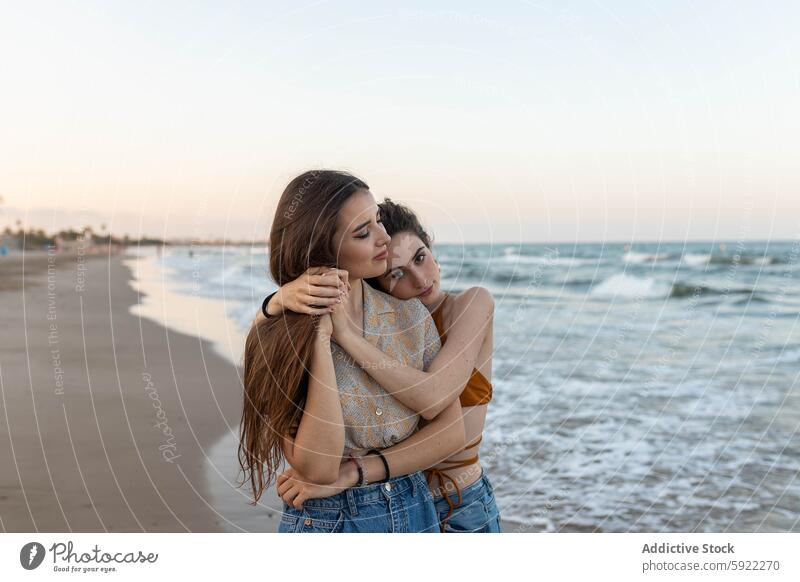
317,310
294,496
320,301
289,495
299,500
283,486
344,278
328,276
282,489
319,291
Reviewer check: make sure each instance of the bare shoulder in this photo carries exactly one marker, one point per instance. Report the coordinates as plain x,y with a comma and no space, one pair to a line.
474,300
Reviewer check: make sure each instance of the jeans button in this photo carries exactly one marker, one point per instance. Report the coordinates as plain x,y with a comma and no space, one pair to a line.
387,486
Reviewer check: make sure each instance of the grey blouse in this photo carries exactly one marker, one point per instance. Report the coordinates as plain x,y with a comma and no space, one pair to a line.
403,330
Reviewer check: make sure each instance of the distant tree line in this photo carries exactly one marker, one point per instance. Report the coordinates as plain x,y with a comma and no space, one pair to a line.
37,238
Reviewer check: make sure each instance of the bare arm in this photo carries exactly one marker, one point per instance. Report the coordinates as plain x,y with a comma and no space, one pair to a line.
317,448
429,392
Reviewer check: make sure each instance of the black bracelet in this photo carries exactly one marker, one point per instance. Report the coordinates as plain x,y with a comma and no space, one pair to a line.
385,463
264,305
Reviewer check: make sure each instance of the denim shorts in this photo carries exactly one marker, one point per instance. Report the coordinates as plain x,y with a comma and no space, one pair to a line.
401,504
478,511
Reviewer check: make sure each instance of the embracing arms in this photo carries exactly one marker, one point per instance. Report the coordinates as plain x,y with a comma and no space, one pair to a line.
431,444
426,392
431,391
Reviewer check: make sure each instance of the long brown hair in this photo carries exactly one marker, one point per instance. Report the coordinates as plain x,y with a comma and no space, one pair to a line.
278,350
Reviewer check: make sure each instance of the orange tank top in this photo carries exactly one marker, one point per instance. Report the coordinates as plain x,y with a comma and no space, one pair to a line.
477,391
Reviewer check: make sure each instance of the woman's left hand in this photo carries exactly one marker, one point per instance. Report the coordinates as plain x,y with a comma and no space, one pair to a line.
294,488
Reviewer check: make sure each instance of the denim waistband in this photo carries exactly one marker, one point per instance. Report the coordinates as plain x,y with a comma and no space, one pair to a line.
373,493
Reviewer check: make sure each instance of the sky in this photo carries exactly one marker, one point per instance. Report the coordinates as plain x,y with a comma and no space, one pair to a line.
505,121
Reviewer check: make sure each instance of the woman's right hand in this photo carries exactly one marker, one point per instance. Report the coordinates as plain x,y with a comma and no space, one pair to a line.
295,489
314,292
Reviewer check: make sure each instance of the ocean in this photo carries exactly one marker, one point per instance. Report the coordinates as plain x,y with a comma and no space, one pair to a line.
642,387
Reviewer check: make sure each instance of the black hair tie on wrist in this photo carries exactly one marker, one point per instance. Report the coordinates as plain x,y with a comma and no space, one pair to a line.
264,305
385,463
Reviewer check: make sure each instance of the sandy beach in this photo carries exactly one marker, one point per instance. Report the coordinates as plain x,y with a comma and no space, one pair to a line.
107,417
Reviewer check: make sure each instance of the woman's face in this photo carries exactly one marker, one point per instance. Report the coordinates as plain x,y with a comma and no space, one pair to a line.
412,271
360,240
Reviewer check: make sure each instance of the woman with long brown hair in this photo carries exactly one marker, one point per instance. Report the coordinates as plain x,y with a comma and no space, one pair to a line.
308,403
464,496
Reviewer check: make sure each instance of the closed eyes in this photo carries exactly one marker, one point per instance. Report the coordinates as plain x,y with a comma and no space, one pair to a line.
366,234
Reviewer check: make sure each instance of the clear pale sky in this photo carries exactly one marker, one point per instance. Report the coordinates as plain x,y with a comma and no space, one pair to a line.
506,121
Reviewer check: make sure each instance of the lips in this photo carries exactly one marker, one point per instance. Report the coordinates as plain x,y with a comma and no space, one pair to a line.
381,256
427,291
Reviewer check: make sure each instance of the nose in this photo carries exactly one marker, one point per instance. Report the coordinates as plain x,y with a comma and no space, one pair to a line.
419,279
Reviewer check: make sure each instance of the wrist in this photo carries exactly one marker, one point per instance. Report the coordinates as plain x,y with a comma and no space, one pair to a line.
322,344
374,467
274,306
345,336
350,473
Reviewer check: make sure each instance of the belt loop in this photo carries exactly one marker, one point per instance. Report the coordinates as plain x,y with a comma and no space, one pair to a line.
414,484
351,502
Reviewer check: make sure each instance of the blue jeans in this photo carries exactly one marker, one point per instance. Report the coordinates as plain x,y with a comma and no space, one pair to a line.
402,504
478,511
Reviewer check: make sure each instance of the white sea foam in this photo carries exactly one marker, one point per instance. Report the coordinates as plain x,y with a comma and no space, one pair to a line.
635,257
624,285
695,259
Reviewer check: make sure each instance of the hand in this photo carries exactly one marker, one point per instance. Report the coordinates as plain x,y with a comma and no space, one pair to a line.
342,324
294,488
314,292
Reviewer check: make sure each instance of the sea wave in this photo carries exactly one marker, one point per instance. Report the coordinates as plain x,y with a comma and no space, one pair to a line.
626,285
639,258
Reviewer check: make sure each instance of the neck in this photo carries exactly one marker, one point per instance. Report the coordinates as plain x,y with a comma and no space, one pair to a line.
437,303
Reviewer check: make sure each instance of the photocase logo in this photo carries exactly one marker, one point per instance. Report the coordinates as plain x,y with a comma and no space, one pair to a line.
31,555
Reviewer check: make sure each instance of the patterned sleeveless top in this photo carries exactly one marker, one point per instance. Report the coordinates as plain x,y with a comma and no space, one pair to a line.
403,330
